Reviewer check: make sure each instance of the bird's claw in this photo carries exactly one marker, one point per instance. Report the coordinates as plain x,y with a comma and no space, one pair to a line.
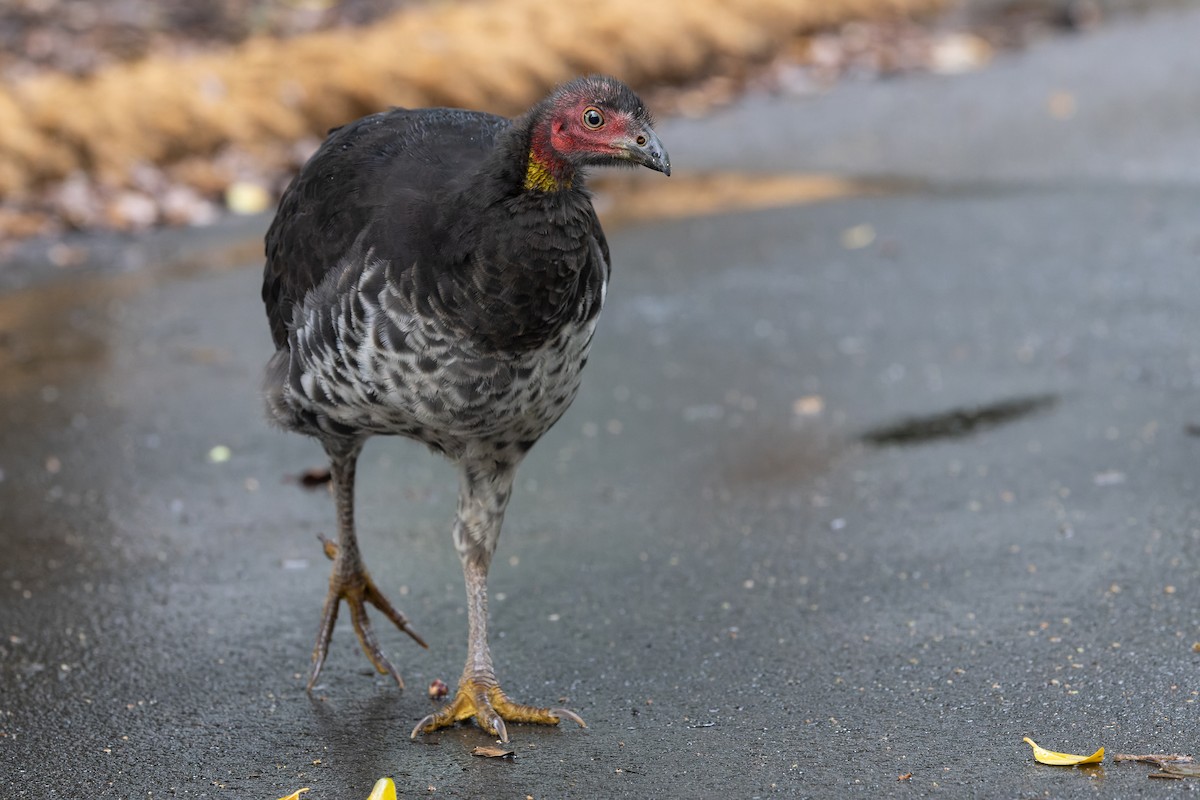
486,702
566,713
355,586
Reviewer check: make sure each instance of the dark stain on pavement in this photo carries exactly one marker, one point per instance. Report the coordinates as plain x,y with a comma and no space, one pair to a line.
958,422
777,458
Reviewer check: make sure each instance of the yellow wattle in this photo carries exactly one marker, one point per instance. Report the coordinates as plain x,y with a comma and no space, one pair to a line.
539,178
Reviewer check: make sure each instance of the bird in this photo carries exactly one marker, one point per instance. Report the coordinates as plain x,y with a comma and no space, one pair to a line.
437,274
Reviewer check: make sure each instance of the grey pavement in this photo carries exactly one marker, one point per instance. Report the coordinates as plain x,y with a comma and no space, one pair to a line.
799,536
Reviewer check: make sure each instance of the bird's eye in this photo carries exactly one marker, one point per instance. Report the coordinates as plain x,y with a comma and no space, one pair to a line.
592,117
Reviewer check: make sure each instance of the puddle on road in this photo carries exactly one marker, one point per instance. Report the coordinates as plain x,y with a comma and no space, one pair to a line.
56,333
640,198
90,473
48,335
959,422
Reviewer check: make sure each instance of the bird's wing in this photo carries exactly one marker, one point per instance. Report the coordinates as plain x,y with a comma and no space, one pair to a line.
375,173
602,241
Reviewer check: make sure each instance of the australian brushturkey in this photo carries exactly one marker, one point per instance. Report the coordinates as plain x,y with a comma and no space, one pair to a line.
437,274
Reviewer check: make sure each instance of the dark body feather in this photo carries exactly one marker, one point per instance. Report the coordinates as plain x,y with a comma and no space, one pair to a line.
414,287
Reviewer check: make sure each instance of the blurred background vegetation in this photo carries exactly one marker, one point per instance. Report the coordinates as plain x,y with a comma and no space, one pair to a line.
131,114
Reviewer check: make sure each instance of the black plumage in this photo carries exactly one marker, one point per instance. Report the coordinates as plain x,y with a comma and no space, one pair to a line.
437,274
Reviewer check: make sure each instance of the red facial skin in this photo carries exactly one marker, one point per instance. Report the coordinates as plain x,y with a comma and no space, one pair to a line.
567,135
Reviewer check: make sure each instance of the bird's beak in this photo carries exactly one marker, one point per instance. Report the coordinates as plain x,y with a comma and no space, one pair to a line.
647,150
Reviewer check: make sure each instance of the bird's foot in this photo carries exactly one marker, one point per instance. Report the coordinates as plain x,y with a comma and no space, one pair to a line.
350,582
485,701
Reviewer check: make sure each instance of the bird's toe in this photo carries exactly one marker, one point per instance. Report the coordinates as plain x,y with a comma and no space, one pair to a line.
486,703
351,583
369,644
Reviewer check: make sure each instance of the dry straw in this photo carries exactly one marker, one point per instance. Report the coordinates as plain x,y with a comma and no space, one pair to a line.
491,54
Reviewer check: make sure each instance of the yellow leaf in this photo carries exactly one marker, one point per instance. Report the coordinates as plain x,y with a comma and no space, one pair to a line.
296,794
384,790
243,197
1044,756
493,752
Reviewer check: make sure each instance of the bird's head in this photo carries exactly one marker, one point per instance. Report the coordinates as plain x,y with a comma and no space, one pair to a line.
595,120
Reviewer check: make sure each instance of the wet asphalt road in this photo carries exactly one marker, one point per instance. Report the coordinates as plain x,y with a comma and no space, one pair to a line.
853,490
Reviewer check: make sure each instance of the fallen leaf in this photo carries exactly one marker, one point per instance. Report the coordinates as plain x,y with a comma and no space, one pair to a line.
384,789
956,53
810,405
438,689
1044,756
296,794
244,197
1061,105
493,752
1182,770
1158,760
314,477
904,777
858,237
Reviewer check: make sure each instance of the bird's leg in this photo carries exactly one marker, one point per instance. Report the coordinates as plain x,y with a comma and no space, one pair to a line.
481,505
349,579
